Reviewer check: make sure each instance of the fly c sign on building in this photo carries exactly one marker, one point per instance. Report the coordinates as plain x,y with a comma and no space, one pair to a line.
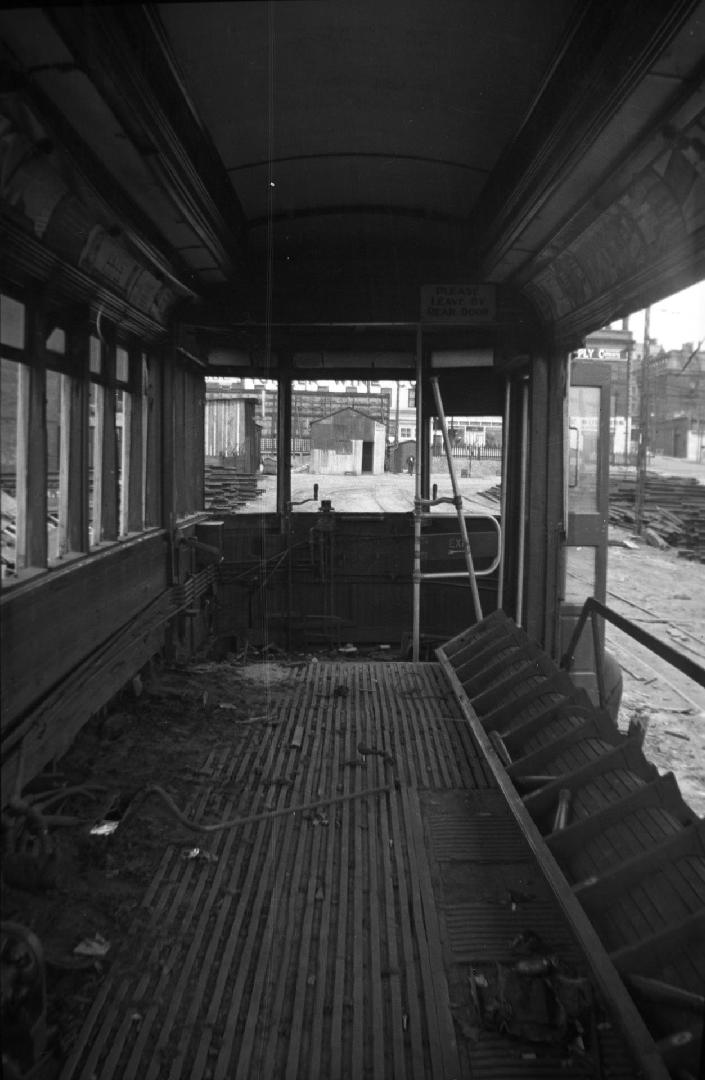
597,354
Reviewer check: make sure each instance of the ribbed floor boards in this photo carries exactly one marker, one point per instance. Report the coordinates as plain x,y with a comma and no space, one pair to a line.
331,943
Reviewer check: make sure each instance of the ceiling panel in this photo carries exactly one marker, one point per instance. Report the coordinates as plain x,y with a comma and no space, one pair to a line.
438,88
330,180
337,155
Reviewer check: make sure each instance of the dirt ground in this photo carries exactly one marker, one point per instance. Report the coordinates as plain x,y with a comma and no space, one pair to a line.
163,727
389,492
664,595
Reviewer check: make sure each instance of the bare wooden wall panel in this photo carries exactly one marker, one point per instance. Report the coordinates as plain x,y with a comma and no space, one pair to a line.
53,623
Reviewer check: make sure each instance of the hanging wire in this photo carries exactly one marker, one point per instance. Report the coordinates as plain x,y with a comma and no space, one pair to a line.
274,853
269,287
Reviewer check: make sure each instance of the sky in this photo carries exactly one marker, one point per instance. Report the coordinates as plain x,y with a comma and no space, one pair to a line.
675,320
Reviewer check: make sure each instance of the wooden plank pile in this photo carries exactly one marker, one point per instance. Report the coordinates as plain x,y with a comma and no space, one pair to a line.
226,489
674,511
492,494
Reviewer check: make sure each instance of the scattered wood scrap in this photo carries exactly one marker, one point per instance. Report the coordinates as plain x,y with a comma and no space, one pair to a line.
673,512
492,494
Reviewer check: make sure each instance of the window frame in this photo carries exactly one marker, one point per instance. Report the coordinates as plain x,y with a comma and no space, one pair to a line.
37,364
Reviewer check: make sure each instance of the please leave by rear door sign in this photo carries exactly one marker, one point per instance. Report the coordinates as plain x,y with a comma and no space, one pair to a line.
470,305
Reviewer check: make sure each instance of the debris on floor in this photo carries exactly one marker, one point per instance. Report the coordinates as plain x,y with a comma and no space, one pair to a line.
92,946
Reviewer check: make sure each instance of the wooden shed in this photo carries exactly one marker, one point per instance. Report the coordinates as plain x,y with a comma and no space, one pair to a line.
347,441
231,430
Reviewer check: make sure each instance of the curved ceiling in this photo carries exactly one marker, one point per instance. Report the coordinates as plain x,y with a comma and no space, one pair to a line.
309,161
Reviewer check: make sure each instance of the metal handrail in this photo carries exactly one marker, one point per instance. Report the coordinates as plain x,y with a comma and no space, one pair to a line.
463,573
593,607
458,501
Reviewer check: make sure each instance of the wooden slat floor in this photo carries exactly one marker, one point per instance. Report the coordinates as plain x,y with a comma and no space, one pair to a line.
335,942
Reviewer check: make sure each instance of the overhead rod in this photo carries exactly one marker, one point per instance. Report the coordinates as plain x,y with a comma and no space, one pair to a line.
352,325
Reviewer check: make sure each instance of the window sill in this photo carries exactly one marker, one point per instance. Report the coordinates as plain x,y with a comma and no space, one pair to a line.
35,577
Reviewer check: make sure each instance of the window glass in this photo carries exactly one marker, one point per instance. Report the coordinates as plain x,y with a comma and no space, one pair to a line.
356,441
123,404
119,449
122,365
12,322
476,449
580,574
56,342
241,445
9,393
341,441
95,461
150,442
95,356
584,447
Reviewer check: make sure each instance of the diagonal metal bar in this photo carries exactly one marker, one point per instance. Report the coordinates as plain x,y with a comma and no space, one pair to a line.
593,607
458,500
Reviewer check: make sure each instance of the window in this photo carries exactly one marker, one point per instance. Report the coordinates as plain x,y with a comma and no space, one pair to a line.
9,399
411,398
406,432
122,457
151,441
75,450
56,505
123,440
241,445
56,342
12,322
12,340
95,356
122,365
95,462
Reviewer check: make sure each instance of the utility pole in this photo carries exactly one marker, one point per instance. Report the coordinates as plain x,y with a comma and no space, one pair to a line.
642,446
628,401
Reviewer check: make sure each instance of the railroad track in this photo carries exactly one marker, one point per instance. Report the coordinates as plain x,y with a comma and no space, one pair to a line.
622,851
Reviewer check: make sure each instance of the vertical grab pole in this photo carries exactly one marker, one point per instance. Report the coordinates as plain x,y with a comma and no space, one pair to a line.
458,500
416,630
522,500
503,491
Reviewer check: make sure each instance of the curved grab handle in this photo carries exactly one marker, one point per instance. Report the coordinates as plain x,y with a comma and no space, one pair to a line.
498,556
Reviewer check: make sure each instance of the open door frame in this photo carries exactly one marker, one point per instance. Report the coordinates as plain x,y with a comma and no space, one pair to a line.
587,508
